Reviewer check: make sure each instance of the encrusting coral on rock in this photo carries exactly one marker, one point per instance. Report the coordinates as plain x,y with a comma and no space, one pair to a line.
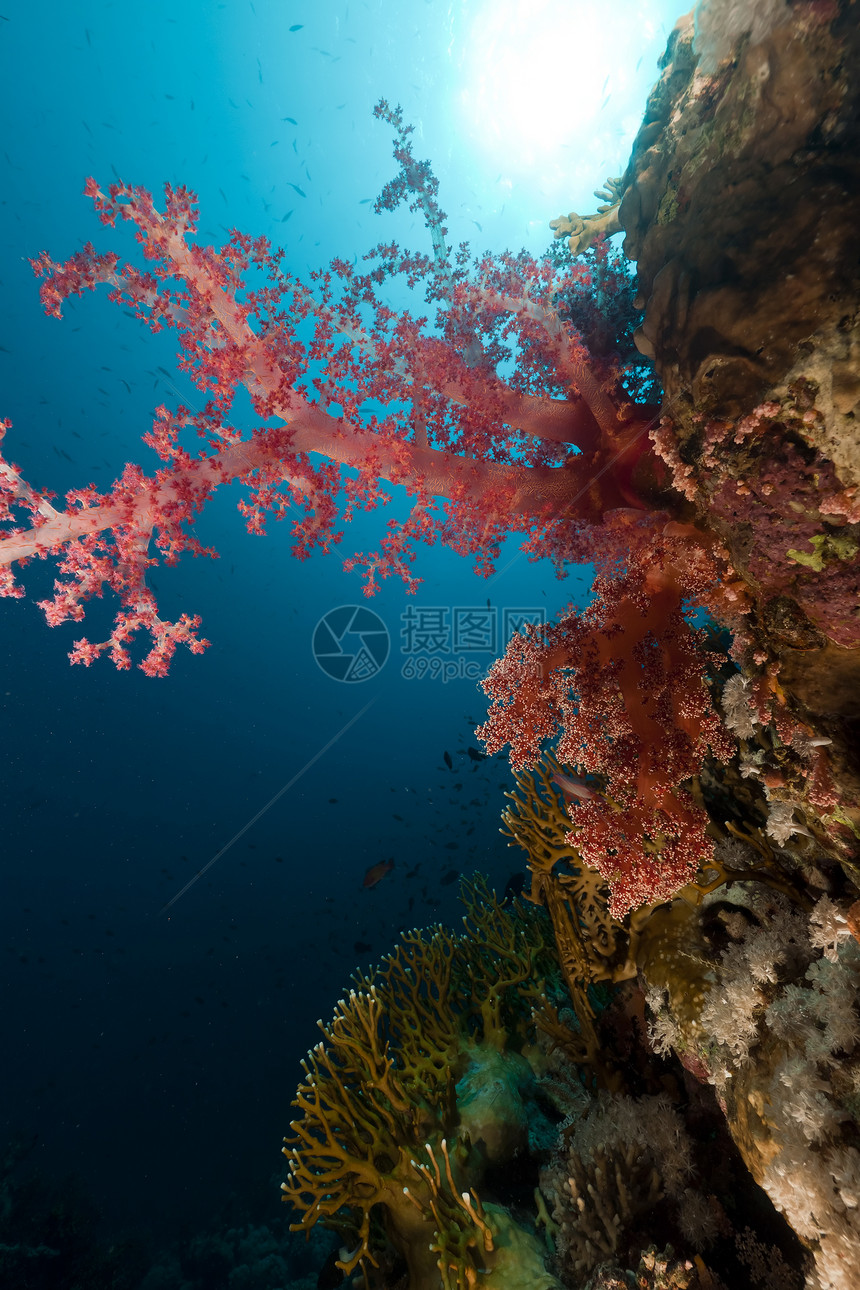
740,209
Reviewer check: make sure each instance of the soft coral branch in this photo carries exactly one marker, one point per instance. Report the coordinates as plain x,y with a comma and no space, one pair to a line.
622,689
505,454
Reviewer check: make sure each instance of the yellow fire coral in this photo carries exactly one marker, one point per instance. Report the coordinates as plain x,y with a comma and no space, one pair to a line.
394,1132
592,945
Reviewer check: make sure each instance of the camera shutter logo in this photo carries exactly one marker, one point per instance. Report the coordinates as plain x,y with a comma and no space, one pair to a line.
351,643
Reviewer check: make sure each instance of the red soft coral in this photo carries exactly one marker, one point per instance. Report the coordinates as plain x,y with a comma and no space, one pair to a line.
622,688
495,405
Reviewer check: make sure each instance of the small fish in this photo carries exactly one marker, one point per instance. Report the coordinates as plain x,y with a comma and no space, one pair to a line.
572,788
447,759
377,872
475,754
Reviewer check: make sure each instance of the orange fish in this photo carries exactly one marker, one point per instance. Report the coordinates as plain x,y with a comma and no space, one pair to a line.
377,872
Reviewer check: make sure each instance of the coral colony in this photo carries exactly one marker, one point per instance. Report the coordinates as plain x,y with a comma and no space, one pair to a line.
646,1073
575,473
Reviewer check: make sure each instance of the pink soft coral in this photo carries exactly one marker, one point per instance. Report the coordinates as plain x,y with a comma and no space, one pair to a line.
622,688
334,373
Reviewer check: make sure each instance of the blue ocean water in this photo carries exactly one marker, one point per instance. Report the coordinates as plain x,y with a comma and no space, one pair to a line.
154,1052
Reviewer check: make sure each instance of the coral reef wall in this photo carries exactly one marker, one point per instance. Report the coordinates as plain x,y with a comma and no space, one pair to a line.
741,205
